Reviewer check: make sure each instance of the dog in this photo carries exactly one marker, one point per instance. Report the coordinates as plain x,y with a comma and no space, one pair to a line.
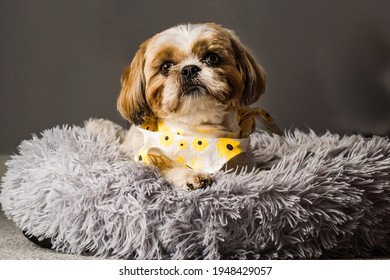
187,93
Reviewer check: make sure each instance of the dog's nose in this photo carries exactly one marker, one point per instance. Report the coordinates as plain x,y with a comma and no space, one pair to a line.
190,71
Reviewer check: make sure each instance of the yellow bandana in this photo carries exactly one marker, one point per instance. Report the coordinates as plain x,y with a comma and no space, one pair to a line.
204,148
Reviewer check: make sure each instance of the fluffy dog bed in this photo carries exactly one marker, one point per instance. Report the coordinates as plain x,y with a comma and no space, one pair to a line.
327,197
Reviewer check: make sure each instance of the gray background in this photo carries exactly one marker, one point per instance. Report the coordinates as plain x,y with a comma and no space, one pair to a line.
328,62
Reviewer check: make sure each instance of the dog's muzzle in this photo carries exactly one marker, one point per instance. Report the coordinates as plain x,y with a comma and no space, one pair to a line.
190,85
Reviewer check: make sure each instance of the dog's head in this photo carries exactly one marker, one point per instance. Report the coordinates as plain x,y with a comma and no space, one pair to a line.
194,72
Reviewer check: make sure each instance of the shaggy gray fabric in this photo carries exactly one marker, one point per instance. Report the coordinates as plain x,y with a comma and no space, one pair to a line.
327,197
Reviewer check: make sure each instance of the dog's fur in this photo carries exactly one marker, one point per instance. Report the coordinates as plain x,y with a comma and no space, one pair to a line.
195,74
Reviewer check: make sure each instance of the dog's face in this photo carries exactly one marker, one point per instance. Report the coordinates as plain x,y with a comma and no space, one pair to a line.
194,73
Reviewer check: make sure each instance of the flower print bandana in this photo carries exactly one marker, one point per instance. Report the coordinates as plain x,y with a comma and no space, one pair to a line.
204,148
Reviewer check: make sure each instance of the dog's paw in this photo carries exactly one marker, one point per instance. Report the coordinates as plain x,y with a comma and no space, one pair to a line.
187,178
198,181
105,127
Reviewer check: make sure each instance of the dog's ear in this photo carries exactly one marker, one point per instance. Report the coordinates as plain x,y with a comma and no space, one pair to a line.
132,102
252,73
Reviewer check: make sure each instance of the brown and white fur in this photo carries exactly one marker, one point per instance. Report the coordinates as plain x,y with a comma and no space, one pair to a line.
195,74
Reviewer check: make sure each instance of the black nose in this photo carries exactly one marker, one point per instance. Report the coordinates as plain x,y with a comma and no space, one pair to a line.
190,71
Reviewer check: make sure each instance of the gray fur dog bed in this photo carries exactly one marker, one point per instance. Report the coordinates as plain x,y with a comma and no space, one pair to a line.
327,197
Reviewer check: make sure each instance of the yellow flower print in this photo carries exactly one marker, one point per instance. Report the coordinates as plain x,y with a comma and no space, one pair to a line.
180,159
200,144
161,127
151,126
228,148
182,144
167,139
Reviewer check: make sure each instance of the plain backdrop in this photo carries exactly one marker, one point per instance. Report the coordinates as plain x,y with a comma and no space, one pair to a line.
327,62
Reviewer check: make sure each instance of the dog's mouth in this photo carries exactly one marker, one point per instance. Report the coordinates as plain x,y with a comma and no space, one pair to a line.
193,89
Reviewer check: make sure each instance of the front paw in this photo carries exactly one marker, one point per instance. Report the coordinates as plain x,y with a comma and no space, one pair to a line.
198,181
187,178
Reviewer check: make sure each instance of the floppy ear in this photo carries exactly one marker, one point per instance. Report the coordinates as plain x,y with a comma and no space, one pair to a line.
132,102
252,73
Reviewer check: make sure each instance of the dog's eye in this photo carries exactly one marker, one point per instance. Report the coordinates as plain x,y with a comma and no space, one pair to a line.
212,59
165,67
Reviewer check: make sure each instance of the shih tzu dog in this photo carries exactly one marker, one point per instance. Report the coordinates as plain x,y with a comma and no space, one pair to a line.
187,93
